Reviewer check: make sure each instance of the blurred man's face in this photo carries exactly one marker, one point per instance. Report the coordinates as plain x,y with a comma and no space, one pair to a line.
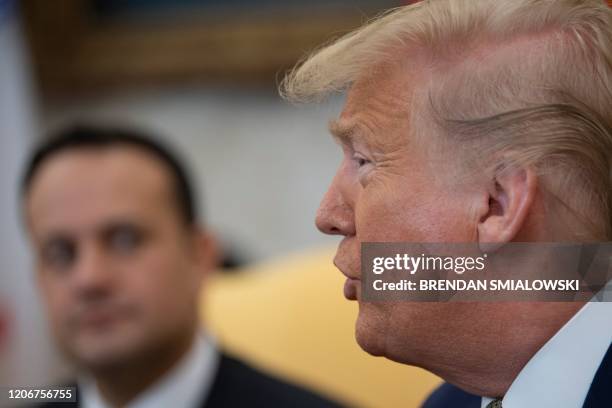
388,189
118,269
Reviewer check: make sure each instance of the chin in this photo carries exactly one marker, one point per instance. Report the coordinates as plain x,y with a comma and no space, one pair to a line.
370,331
384,330
103,353
102,358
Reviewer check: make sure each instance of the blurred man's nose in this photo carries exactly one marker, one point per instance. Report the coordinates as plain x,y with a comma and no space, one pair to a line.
335,215
92,272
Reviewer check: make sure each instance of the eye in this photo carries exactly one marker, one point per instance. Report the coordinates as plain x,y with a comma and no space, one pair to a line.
59,253
124,239
360,160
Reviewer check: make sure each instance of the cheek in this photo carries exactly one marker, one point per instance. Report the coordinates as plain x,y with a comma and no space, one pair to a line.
56,297
390,212
404,210
59,303
163,282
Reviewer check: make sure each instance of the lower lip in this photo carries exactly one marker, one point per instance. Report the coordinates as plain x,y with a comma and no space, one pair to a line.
350,289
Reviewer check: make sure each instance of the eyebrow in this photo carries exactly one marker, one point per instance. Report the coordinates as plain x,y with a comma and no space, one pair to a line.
102,229
343,131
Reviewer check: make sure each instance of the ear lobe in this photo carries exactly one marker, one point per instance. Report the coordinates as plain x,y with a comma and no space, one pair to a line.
510,202
207,251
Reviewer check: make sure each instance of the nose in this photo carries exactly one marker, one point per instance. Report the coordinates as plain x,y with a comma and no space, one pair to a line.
92,274
335,215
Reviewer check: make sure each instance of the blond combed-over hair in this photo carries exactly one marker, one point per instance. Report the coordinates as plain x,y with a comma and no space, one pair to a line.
550,109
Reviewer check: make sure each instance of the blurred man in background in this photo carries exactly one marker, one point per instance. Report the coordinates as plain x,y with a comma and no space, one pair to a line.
120,261
485,122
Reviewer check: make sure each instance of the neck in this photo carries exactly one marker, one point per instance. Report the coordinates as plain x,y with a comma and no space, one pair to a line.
507,348
120,385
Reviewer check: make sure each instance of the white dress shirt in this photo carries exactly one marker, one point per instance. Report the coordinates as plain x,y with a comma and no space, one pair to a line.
186,385
559,375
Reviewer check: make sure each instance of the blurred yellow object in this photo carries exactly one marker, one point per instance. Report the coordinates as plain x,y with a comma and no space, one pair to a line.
290,317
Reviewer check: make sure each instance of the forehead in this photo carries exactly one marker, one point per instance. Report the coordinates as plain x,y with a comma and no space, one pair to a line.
378,102
84,187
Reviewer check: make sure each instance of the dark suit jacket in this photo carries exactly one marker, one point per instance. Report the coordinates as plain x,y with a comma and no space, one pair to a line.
599,395
239,385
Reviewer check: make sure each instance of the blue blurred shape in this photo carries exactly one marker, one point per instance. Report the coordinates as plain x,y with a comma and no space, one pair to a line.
6,9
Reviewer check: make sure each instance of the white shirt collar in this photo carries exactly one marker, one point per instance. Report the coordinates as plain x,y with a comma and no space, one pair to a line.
561,372
187,385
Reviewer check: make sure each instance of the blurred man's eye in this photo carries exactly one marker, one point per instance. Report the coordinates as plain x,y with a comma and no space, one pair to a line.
124,239
59,254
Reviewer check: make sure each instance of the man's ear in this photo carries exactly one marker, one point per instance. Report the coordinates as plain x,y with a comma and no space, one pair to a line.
207,250
511,197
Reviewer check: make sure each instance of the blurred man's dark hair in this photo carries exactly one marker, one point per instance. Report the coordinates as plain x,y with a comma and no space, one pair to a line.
98,137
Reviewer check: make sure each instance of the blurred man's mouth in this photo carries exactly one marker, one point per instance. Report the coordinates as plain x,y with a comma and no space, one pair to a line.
100,318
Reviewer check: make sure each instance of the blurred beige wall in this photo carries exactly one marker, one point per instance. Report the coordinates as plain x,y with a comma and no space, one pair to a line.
262,165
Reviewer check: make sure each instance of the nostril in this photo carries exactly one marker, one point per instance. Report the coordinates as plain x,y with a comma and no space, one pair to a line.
334,218
329,228
325,226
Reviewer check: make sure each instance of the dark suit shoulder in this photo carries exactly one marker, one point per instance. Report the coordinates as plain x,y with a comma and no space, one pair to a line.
449,396
600,393
239,385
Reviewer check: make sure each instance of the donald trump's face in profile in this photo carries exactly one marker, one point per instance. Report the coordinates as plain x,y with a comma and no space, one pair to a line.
400,184
388,188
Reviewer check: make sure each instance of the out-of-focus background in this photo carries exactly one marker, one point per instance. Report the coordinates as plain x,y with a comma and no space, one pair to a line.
201,74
